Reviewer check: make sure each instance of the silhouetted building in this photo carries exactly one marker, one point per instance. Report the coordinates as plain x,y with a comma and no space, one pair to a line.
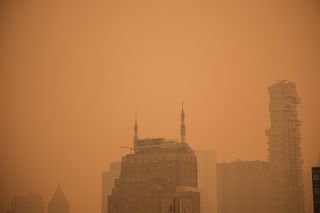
58,203
243,187
207,180
284,149
159,177
316,188
31,203
108,179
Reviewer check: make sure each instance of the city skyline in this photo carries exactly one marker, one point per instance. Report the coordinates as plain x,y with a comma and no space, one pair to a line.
74,73
182,138
182,130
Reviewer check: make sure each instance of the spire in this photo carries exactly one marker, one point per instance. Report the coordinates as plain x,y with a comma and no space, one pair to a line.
58,196
135,137
182,126
58,202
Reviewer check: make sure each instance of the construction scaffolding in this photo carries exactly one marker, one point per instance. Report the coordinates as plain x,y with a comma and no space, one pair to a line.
284,149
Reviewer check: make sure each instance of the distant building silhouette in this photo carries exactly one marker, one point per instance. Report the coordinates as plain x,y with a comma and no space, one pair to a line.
207,180
284,149
108,179
243,187
31,203
159,177
58,203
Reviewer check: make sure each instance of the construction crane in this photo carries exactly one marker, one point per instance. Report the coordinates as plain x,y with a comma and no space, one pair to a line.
127,147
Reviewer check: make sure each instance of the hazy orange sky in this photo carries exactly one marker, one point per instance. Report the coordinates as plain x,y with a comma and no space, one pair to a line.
73,74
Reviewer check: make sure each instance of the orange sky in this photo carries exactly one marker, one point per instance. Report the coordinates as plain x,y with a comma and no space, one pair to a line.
73,74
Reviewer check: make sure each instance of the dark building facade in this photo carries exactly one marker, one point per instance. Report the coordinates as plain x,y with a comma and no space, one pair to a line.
316,188
31,203
159,177
284,149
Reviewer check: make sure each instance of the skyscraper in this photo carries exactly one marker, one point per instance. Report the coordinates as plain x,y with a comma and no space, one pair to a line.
159,177
58,203
108,178
284,149
31,203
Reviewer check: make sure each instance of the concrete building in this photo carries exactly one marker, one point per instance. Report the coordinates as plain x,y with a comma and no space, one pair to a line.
31,203
108,178
159,177
284,149
207,180
58,203
243,187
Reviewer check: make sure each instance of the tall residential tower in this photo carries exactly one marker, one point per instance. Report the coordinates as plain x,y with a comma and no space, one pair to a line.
284,149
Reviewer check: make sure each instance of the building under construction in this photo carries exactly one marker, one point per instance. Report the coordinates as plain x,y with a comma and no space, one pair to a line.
284,149
160,176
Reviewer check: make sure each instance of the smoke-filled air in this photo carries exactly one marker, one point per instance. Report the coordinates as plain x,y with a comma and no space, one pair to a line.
194,106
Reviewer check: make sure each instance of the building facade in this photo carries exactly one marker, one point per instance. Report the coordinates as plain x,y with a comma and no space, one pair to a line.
316,189
159,177
207,180
243,187
284,149
108,178
31,203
